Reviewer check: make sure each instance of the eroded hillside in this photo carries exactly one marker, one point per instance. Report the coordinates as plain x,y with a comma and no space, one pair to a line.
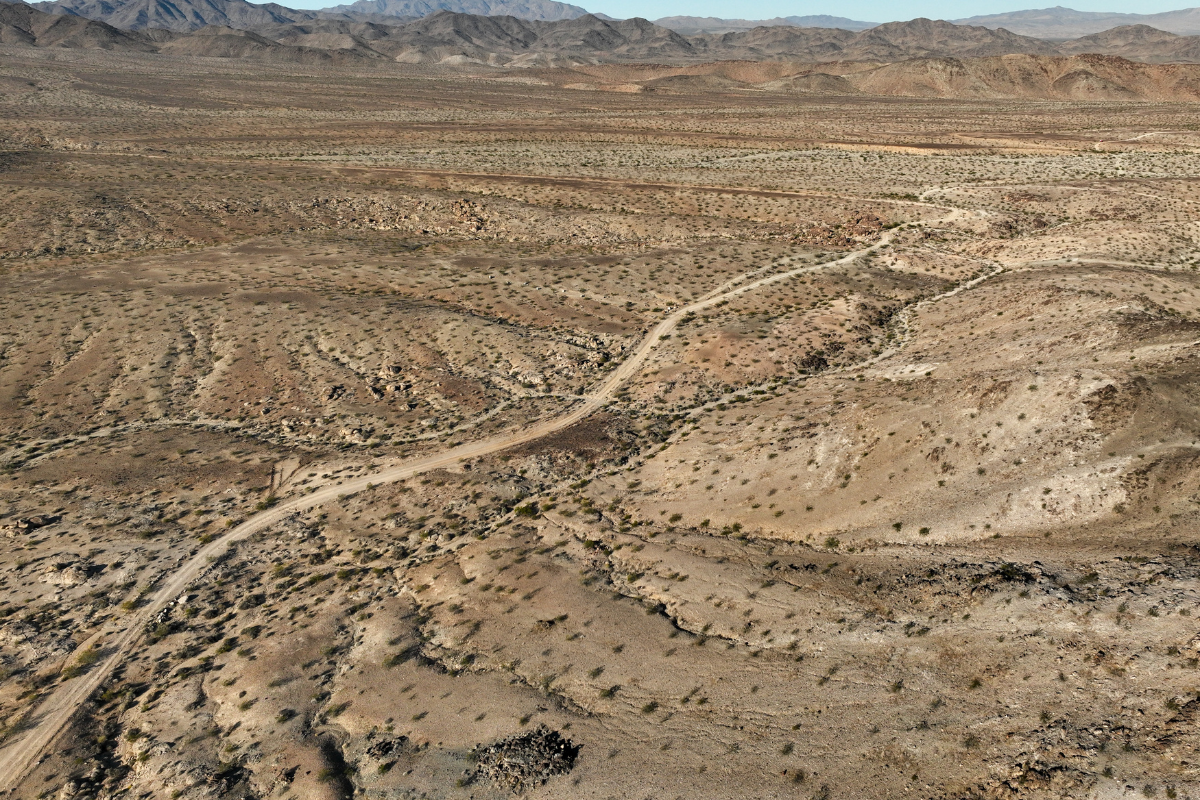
882,479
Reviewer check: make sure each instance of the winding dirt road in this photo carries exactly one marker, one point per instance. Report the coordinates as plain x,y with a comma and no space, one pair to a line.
46,721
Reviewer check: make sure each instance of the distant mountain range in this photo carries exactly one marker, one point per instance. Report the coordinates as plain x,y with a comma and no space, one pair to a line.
190,15
23,25
237,29
920,58
523,9
1067,23
176,15
1046,23
187,15
462,38
690,26
1137,42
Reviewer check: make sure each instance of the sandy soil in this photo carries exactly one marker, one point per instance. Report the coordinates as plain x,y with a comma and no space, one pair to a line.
908,509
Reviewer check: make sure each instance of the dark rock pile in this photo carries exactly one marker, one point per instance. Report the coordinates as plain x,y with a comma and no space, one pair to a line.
526,761
856,229
30,524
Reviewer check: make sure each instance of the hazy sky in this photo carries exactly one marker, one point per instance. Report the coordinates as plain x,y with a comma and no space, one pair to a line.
870,10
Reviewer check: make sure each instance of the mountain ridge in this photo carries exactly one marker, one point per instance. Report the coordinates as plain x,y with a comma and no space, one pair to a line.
1057,23
22,24
505,41
178,15
690,26
542,10
188,15
1060,22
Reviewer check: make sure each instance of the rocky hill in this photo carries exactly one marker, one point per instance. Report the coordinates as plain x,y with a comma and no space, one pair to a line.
525,9
190,15
1020,76
221,42
1138,42
499,40
177,15
1085,77
23,25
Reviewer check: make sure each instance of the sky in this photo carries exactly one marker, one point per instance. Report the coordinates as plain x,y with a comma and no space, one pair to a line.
866,10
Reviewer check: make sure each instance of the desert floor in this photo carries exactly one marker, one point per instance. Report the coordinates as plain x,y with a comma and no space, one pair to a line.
899,500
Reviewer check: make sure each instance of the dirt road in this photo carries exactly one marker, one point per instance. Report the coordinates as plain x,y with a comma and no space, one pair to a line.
48,719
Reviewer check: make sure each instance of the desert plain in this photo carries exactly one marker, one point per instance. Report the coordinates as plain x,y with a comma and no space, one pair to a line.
431,431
